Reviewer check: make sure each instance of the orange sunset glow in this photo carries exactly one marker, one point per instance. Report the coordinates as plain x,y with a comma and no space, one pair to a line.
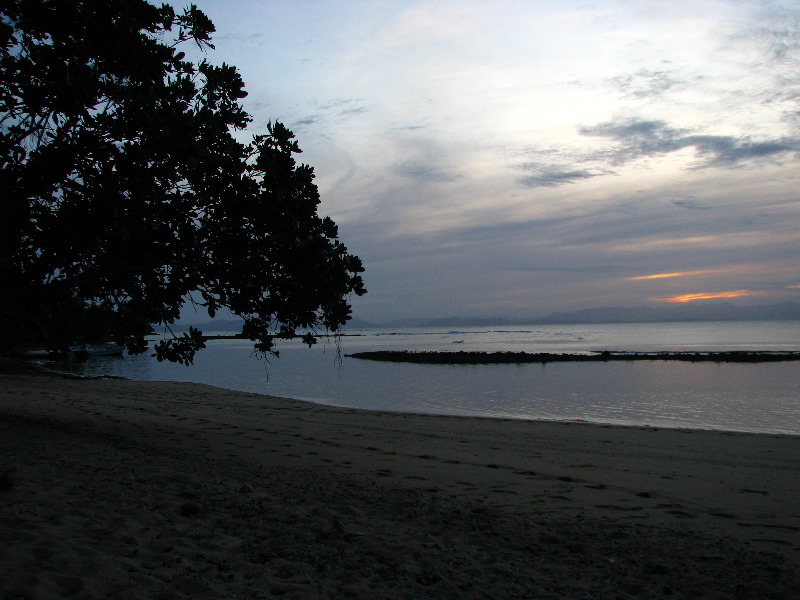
708,296
669,275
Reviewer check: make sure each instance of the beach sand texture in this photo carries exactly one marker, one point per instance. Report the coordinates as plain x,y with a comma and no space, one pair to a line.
123,489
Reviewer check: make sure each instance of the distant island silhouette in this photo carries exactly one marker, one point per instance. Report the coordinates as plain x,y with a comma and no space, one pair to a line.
482,358
691,312
705,311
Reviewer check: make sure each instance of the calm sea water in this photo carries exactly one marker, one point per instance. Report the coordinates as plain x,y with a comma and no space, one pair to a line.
761,397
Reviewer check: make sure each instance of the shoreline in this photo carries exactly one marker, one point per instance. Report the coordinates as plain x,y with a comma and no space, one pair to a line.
182,490
25,366
510,419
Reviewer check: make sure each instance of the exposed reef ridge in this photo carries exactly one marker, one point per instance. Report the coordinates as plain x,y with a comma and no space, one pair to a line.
481,358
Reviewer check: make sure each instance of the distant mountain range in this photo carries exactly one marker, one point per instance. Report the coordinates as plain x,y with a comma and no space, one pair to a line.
722,311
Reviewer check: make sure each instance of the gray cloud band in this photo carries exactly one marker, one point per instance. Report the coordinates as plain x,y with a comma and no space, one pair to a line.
636,139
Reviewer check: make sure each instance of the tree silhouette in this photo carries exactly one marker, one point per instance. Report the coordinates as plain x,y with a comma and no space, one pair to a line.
124,191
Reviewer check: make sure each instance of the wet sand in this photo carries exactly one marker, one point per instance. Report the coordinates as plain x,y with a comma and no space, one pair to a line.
122,489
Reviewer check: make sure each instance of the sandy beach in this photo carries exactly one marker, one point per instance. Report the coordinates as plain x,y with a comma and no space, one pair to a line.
124,489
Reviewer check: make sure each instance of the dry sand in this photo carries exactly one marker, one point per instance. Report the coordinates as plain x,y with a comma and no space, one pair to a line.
121,489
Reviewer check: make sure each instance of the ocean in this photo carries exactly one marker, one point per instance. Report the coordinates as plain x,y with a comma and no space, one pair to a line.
759,397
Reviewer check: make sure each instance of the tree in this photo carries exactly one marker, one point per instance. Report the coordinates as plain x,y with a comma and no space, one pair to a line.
124,190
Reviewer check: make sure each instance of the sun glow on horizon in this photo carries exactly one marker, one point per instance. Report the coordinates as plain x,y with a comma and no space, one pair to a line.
708,296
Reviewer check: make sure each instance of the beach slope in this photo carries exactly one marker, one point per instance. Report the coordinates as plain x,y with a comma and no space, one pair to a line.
122,489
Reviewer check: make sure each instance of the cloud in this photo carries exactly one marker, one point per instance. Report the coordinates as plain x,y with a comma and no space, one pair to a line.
409,127
424,173
778,38
637,138
332,113
354,110
671,275
343,106
645,83
336,103
551,177
683,298
256,39
691,204
305,121
726,150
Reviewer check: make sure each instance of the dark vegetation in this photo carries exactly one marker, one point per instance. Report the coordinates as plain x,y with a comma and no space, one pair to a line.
486,358
125,194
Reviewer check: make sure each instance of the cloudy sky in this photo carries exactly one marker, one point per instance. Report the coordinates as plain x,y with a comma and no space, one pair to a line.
516,157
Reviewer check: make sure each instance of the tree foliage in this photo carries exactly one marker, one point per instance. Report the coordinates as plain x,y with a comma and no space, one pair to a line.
124,190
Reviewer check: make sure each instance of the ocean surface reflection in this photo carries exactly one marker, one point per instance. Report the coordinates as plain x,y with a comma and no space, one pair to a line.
760,397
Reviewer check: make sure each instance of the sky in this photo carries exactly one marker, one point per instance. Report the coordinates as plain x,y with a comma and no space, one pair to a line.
513,158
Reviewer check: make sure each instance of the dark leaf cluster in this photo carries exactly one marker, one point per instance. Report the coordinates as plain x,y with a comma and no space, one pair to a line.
125,191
